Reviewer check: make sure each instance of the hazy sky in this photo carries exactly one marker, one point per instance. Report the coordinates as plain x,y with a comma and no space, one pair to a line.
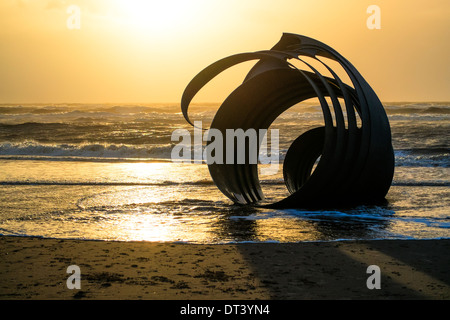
147,51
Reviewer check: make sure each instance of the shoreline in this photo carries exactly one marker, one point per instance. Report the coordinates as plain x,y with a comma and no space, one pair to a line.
36,268
244,242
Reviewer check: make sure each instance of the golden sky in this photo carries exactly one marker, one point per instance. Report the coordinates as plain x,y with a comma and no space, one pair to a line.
136,51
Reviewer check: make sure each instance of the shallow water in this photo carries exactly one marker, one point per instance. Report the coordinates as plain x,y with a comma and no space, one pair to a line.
135,201
104,172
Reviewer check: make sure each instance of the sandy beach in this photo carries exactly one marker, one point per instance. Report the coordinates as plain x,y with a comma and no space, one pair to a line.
35,268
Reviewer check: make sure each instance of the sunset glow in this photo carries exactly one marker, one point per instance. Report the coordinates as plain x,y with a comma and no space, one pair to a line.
147,51
158,15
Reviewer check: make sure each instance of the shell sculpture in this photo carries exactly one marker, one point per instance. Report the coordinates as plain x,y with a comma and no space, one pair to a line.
356,163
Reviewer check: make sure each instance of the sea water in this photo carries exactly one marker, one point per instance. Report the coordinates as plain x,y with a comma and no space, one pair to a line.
104,172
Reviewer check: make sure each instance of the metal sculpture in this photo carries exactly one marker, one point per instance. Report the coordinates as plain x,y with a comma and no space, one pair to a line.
356,162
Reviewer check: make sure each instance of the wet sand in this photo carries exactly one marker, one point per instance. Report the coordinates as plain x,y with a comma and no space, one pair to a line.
34,268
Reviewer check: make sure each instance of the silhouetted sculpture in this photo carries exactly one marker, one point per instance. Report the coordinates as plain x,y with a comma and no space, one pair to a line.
356,163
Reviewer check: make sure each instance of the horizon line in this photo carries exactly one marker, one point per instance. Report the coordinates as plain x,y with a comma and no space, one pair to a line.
200,102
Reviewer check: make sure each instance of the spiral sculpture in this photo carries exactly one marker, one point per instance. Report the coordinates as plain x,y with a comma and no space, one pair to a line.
356,161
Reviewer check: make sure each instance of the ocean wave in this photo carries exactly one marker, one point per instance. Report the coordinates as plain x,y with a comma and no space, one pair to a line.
361,213
88,108
93,112
89,118
421,183
32,150
423,157
106,183
95,151
418,108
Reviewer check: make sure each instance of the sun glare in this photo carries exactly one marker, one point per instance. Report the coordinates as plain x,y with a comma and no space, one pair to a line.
158,14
